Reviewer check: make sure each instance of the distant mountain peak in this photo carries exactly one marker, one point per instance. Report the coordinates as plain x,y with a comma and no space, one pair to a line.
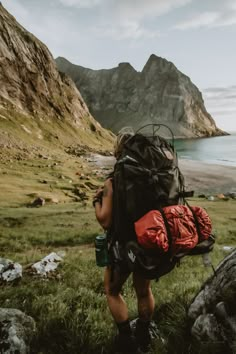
126,66
160,93
158,64
63,59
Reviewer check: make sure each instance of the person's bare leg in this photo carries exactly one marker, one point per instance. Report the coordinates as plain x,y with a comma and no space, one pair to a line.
125,341
145,297
116,303
145,309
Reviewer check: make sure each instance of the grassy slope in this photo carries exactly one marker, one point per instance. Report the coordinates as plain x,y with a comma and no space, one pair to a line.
33,158
70,310
23,131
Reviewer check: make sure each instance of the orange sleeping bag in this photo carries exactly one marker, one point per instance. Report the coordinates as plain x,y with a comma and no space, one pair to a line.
151,230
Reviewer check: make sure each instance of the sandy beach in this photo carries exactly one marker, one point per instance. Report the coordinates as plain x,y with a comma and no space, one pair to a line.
206,178
199,176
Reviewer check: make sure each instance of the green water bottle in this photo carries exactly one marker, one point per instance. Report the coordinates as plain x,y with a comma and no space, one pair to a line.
101,250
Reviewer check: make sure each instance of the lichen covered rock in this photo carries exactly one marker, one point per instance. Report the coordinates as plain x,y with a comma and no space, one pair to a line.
16,331
213,311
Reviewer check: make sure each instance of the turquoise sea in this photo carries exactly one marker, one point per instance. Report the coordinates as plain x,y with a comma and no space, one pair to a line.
218,150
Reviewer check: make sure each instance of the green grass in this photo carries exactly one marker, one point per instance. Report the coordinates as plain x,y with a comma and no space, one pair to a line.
70,310
223,215
68,225
56,177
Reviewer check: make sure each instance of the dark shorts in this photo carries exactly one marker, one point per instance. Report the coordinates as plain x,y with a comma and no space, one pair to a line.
118,259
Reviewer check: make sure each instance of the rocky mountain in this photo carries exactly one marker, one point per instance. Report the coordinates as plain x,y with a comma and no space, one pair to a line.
160,93
37,103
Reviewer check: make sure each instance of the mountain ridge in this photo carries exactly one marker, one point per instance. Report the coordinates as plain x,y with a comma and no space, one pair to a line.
38,103
159,93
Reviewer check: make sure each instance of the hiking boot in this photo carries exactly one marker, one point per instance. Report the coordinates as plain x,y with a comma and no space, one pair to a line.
143,336
125,344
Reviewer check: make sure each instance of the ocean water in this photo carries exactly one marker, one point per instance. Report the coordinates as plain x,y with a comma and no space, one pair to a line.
217,150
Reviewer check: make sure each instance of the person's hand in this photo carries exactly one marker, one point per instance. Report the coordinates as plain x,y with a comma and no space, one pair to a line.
98,196
99,193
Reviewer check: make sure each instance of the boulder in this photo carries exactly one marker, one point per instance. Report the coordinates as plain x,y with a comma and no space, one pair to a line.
48,264
17,330
38,202
9,271
213,311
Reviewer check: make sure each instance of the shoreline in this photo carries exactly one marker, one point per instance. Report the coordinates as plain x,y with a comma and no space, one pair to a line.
199,176
207,177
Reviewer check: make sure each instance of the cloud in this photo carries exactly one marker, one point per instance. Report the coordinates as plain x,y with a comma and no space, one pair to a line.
130,9
109,19
203,20
126,20
232,5
80,3
15,7
149,8
221,104
222,16
227,21
127,30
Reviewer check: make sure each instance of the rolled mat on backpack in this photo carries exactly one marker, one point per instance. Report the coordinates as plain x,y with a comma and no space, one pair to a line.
152,233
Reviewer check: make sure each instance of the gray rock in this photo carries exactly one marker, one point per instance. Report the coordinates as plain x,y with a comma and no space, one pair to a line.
160,93
231,195
206,326
16,330
48,264
38,202
211,198
9,271
213,311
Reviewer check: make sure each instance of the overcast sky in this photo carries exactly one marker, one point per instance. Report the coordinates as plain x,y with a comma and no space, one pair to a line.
198,36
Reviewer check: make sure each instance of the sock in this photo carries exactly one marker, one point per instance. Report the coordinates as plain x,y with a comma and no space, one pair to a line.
124,327
143,325
143,335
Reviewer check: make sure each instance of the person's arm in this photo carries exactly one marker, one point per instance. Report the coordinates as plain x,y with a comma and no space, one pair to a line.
103,205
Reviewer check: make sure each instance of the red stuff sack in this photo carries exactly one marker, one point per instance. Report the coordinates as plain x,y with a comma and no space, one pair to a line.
152,234
151,231
204,222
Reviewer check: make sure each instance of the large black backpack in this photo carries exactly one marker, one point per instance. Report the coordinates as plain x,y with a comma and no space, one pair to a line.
146,177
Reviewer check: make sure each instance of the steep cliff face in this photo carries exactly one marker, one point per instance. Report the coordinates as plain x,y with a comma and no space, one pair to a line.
35,97
160,93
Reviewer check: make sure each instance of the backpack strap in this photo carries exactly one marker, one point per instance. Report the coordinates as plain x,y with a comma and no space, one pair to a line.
169,235
186,194
195,219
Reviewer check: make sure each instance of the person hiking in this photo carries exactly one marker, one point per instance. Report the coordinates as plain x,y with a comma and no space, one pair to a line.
149,224
115,277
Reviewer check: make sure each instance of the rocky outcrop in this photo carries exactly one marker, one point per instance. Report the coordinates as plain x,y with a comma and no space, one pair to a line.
160,93
213,311
16,331
32,87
